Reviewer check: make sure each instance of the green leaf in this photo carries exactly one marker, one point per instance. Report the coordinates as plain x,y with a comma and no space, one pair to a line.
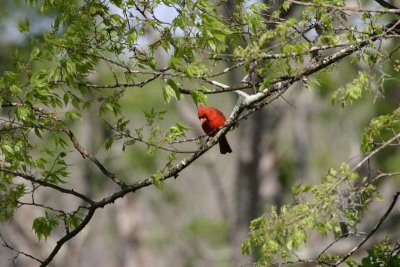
44,225
8,149
70,115
118,3
175,61
296,189
22,113
286,5
109,143
35,53
175,87
23,26
178,130
199,97
194,71
152,63
15,90
246,247
171,90
73,220
66,98
156,179
352,91
132,37
152,116
116,20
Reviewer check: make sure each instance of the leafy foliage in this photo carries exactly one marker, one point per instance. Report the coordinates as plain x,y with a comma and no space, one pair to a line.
9,196
44,225
337,199
54,85
381,254
380,129
353,91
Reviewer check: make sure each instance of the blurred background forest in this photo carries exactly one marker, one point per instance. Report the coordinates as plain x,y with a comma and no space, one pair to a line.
203,216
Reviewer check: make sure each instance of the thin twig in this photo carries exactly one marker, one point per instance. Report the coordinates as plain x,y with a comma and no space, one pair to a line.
385,144
6,245
137,139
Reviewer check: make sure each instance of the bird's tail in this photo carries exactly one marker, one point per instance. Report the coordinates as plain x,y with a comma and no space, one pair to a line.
224,146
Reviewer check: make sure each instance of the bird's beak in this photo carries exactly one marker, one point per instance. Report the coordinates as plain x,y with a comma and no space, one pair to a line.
203,120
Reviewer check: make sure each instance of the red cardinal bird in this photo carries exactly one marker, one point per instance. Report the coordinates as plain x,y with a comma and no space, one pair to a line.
211,120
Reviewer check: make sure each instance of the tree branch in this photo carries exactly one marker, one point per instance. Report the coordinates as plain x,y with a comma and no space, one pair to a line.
92,158
386,4
246,106
379,223
385,144
5,244
68,236
354,9
47,184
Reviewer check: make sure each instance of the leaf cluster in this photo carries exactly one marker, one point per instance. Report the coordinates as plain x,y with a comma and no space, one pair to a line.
380,130
323,207
380,254
352,91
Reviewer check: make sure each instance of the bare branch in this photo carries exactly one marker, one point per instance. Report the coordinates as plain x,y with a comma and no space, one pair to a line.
5,244
86,154
138,139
